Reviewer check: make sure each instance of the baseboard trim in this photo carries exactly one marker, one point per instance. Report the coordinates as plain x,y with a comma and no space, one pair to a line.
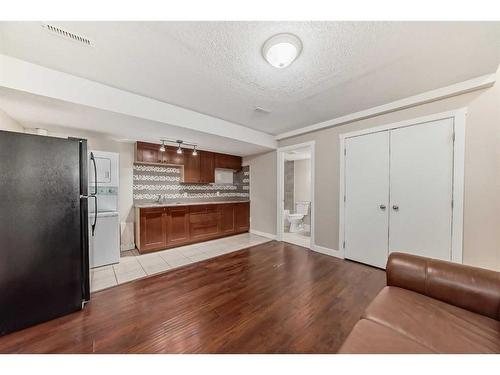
263,234
128,246
327,251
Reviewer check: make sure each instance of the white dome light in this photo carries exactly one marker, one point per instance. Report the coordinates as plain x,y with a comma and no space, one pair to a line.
281,50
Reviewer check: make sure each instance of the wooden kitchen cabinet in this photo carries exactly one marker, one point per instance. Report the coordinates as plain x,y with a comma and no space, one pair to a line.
161,228
178,225
207,167
203,222
170,156
227,218
192,169
242,215
148,153
153,228
228,161
198,169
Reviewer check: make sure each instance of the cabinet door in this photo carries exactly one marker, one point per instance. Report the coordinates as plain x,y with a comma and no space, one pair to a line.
227,218
153,231
207,167
148,153
367,198
178,225
227,161
170,156
421,189
242,216
192,169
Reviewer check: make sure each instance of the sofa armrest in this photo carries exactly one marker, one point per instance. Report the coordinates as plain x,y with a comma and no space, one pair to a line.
471,288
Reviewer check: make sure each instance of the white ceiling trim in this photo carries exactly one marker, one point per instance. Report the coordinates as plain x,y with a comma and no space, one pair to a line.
24,76
477,83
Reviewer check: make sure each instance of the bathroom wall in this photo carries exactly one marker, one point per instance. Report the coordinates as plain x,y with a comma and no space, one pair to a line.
151,181
289,177
302,183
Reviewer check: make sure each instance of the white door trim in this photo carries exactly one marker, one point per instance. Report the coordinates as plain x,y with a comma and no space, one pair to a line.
459,117
280,188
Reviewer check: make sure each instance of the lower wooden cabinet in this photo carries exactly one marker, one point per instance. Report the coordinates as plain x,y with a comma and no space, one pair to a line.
153,229
177,225
160,228
242,212
227,218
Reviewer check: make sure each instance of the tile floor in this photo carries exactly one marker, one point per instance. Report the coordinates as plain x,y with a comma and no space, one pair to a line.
299,238
135,266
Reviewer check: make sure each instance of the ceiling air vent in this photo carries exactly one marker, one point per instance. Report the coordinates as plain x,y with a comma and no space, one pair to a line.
67,35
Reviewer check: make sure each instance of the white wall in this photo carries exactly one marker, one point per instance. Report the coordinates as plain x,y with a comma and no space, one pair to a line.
8,123
262,192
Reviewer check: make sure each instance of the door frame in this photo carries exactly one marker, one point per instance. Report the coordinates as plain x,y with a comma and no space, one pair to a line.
459,118
281,188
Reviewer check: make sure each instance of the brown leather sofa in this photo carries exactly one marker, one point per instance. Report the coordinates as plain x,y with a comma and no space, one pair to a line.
430,306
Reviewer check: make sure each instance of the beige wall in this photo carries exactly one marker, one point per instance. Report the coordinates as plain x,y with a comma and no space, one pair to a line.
100,142
482,172
262,192
302,180
8,123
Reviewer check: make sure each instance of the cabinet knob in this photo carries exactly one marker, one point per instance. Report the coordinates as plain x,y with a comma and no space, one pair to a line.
382,206
395,207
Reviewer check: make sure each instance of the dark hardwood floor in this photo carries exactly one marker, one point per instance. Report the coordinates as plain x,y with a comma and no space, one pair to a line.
271,298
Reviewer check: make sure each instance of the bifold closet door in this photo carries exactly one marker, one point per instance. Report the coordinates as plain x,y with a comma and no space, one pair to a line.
421,179
367,196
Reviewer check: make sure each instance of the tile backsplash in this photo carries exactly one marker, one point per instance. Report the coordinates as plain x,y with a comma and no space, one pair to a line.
151,181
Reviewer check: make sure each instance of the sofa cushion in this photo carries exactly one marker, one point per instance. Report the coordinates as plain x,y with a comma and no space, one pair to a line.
436,325
368,337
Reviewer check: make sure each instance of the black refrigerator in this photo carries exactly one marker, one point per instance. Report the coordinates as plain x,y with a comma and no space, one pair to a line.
44,266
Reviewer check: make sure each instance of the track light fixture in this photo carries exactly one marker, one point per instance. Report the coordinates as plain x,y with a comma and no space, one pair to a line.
179,142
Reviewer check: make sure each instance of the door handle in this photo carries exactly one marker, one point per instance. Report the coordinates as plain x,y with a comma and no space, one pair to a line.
382,206
395,207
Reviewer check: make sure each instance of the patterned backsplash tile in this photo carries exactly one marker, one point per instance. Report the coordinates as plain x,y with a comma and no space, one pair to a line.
151,181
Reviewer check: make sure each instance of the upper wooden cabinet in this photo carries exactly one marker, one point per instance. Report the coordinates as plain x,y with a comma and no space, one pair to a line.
148,153
228,161
192,169
198,169
207,167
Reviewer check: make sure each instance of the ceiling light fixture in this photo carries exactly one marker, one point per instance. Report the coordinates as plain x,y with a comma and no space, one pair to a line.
179,143
281,50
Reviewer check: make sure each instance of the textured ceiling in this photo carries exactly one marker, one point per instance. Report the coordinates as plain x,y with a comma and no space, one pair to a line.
217,68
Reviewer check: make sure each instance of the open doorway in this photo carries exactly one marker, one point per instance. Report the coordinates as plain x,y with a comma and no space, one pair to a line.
295,194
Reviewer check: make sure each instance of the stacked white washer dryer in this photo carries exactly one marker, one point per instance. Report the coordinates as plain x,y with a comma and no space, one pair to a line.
104,228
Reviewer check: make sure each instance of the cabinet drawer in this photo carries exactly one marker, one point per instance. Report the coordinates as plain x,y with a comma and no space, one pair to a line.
204,218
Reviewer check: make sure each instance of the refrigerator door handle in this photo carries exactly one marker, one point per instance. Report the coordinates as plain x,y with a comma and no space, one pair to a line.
94,195
95,213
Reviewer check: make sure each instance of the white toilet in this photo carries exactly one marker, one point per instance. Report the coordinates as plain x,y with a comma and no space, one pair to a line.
296,220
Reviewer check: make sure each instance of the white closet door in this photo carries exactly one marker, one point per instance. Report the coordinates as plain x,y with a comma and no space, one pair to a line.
367,196
421,189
